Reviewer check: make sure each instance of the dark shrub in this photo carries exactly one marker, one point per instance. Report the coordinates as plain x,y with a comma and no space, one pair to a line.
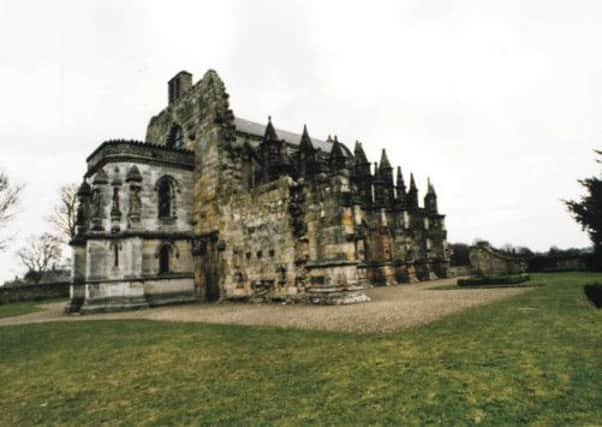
594,292
510,279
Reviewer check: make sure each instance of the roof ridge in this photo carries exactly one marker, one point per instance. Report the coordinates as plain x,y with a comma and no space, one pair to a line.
245,125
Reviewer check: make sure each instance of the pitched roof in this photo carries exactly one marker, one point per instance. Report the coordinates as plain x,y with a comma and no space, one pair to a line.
258,129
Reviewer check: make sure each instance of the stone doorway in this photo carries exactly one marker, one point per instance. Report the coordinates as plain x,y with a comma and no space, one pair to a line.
212,289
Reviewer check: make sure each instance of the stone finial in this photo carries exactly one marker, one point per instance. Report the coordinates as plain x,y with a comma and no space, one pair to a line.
337,157
430,187
430,199
84,189
358,153
270,132
306,143
412,195
412,182
400,184
384,161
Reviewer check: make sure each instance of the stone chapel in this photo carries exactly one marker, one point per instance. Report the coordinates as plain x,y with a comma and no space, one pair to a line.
213,207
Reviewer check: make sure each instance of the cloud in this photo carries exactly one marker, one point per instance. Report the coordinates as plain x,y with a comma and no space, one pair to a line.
498,102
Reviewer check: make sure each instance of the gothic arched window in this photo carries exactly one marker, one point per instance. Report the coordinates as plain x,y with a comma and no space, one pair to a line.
164,255
166,196
175,139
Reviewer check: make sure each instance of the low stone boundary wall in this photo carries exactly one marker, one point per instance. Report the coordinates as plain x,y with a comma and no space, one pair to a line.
486,260
34,292
460,270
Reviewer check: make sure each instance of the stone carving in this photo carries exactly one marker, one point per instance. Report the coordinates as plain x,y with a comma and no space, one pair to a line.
115,210
296,204
135,204
96,209
83,206
80,217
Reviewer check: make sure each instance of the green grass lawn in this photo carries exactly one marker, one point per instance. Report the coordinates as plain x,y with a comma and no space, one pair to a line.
533,359
455,287
18,309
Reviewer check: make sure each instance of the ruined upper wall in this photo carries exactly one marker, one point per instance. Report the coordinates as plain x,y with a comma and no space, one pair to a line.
184,112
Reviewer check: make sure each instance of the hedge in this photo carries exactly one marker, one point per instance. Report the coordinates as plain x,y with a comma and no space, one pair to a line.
594,292
510,279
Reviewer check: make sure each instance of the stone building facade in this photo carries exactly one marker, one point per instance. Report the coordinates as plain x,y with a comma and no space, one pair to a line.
213,207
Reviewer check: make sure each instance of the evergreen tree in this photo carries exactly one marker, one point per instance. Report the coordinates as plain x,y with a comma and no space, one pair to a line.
588,212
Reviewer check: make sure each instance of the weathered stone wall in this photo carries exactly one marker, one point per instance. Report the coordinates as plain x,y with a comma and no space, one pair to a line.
33,292
107,295
331,238
138,239
488,261
116,174
269,255
120,232
259,256
460,271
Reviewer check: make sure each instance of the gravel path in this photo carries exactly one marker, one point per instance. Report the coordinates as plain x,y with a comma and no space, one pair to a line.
390,309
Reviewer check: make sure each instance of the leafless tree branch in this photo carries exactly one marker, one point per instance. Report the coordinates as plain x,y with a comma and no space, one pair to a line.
40,254
9,199
64,213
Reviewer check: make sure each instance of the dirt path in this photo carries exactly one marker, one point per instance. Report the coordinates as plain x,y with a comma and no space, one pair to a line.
390,309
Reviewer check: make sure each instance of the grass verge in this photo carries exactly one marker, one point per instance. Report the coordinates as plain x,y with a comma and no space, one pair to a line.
19,309
533,359
468,288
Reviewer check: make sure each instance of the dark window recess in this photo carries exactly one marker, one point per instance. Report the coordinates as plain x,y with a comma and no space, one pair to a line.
248,255
164,199
318,280
271,253
259,254
347,199
164,259
175,139
116,255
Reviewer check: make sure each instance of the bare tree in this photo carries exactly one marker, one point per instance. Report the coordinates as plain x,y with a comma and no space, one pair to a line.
64,213
39,255
9,198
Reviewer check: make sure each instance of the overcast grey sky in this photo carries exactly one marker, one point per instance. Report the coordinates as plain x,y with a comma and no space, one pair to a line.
499,102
